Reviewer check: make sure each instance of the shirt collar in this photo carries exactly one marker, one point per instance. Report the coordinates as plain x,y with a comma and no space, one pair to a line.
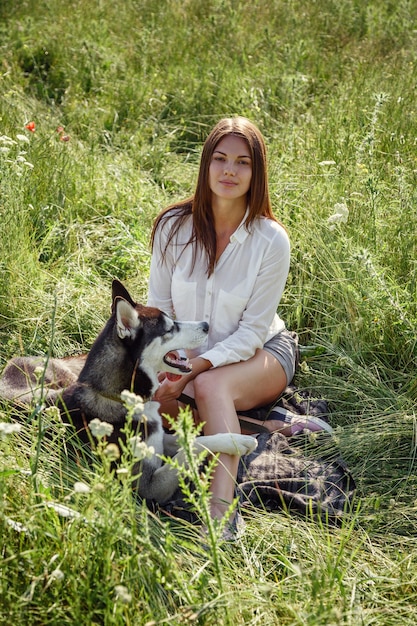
241,231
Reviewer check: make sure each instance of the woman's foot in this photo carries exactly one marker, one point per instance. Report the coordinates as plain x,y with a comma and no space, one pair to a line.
285,422
234,528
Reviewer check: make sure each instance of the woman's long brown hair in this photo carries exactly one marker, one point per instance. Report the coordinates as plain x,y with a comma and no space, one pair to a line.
199,205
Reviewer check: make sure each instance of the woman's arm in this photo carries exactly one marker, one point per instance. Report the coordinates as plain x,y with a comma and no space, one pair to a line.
160,277
260,308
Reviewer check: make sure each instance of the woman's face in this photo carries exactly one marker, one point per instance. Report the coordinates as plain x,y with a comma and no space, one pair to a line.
230,171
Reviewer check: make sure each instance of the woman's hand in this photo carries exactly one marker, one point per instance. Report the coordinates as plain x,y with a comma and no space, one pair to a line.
170,389
172,385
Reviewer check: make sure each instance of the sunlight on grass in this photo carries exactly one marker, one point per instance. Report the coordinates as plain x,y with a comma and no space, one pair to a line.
103,110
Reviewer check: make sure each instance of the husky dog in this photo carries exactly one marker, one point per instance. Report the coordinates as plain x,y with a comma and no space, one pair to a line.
136,343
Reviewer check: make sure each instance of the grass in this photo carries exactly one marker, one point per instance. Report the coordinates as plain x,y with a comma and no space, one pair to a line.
136,85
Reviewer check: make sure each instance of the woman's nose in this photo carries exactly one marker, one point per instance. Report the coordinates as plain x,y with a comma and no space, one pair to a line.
229,169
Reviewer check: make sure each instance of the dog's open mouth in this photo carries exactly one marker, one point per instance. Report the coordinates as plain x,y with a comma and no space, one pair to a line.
180,363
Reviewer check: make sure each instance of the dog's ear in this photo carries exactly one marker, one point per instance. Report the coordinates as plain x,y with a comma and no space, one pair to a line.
120,291
127,319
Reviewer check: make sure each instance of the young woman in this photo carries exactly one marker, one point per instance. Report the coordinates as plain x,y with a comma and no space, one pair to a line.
221,256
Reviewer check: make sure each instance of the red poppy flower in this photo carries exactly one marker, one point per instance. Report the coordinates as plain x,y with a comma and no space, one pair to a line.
65,138
60,130
31,126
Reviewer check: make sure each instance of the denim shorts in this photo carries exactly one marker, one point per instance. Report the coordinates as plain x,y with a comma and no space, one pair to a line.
284,347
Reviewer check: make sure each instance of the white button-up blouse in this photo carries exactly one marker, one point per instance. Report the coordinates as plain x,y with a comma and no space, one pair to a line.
239,300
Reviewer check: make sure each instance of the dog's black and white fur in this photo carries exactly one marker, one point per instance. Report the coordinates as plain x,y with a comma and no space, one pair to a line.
136,343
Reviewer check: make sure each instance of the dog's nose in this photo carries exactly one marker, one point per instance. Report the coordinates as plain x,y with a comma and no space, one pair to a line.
204,327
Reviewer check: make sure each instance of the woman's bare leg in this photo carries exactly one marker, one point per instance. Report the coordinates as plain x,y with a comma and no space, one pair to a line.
220,393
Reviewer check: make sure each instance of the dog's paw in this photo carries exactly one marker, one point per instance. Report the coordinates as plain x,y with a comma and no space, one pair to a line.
228,443
245,444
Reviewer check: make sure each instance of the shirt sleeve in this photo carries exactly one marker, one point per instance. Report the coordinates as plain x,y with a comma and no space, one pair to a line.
160,277
261,307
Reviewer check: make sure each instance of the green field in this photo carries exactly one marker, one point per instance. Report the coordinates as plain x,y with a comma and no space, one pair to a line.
122,94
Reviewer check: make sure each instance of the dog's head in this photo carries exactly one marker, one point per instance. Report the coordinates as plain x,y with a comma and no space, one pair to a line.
152,337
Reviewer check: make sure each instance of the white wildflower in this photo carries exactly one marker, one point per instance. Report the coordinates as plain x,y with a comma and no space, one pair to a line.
112,452
133,403
100,429
17,526
80,487
8,141
326,163
8,429
340,215
39,370
62,510
57,575
52,414
23,138
122,594
343,361
140,449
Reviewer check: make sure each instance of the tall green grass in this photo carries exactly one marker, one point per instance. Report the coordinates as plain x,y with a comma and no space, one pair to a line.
136,85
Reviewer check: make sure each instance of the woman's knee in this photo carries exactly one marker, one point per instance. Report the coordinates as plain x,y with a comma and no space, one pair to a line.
205,385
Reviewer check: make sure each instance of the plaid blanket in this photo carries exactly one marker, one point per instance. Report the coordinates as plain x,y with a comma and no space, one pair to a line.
301,475
280,475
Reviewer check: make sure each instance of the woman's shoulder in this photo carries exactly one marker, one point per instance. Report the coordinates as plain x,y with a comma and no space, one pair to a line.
271,229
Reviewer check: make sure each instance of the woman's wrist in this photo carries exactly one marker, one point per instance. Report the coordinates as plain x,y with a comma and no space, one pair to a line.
199,365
